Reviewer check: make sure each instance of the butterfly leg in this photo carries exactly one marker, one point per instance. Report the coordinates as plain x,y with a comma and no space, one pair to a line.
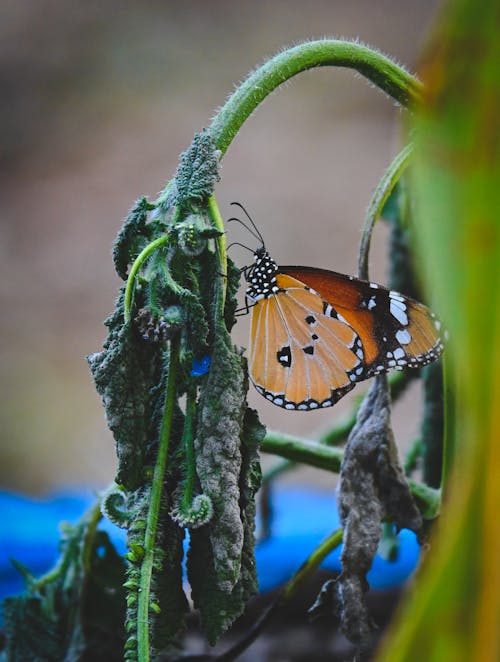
244,310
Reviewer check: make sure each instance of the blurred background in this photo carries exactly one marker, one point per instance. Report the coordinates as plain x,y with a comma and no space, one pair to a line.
98,99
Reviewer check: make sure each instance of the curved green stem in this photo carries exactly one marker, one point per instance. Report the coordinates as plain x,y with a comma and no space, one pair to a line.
143,643
412,456
140,259
428,499
379,198
380,70
89,521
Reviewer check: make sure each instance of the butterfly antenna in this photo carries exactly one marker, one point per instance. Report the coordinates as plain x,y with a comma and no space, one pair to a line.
237,243
251,221
238,220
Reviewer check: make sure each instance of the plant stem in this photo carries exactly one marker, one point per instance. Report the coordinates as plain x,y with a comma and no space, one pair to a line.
428,499
312,563
305,570
330,458
299,450
412,456
188,443
143,255
380,70
221,243
379,198
337,435
143,644
90,519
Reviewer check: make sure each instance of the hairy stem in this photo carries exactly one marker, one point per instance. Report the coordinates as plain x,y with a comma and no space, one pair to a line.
188,443
221,243
140,259
299,450
398,382
143,644
379,198
377,68
329,458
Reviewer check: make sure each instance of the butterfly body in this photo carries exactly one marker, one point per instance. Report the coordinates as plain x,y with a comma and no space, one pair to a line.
316,333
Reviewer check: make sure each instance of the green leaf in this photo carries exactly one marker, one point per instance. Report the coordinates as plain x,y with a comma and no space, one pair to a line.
198,170
124,373
132,237
218,456
221,563
167,590
99,632
30,633
74,612
453,611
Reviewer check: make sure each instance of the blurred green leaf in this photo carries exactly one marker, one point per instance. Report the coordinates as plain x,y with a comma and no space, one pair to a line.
454,610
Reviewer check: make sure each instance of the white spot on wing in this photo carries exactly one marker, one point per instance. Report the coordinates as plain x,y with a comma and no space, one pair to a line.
403,337
396,296
398,312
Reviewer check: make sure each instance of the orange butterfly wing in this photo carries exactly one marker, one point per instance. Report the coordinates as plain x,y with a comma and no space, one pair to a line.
300,356
395,330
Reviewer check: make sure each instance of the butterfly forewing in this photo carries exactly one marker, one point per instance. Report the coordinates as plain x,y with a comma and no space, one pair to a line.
300,357
395,331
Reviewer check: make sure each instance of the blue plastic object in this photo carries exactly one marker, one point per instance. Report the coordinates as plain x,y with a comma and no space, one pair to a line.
200,367
301,519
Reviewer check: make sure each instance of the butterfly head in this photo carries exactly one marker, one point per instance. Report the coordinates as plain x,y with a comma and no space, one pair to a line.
261,277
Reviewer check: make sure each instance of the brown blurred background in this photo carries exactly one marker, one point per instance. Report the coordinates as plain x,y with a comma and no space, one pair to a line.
97,101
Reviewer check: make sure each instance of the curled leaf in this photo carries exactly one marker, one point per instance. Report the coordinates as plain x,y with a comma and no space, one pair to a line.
198,170
372,487
123,373
131,237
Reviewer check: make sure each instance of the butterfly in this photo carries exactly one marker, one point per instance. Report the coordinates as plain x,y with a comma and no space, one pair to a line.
315,333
